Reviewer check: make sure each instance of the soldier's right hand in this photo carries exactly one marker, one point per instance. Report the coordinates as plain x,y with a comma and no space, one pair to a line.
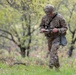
42,30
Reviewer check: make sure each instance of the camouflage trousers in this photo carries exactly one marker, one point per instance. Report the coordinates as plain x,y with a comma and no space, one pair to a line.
53,49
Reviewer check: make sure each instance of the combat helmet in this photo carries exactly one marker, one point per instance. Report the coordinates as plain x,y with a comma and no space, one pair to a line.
48,8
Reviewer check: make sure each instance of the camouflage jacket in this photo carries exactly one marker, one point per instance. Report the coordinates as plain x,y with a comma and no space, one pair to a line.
57,22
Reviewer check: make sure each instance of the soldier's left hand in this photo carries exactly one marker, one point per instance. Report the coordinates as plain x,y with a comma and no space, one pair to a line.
55,30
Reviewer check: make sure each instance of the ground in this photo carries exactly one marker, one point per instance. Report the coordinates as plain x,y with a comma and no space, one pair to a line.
37,65
35,70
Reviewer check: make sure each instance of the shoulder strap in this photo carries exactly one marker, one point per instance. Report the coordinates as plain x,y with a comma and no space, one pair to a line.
52,18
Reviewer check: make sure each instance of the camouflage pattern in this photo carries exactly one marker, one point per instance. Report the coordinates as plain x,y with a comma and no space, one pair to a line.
53,39
54,60
48,8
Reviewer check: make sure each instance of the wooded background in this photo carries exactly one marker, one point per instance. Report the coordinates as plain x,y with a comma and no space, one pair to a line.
19,24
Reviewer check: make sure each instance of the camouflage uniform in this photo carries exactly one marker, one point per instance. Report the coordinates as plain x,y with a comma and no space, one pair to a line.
53,38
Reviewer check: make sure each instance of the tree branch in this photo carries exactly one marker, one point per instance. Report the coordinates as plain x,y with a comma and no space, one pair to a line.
33,31
71,13
11,39
10,2
16,34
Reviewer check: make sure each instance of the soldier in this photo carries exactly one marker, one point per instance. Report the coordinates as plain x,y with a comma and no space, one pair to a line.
58,25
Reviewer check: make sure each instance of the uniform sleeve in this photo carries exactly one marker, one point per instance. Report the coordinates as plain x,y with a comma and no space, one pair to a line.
42,24
63,25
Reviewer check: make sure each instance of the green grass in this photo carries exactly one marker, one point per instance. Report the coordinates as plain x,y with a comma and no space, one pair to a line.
33,67
35,70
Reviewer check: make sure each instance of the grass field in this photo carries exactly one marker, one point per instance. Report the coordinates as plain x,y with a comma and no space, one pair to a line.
34,70
67,68
37,65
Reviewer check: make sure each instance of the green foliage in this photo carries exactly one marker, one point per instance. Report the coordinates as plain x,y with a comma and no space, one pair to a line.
22,17
9,16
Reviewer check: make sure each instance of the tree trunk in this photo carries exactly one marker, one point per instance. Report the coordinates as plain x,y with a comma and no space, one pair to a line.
71,51
28,53
29,35
72,43
72,47
23,51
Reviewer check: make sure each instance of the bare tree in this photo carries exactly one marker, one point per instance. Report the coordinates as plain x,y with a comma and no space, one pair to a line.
73,32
